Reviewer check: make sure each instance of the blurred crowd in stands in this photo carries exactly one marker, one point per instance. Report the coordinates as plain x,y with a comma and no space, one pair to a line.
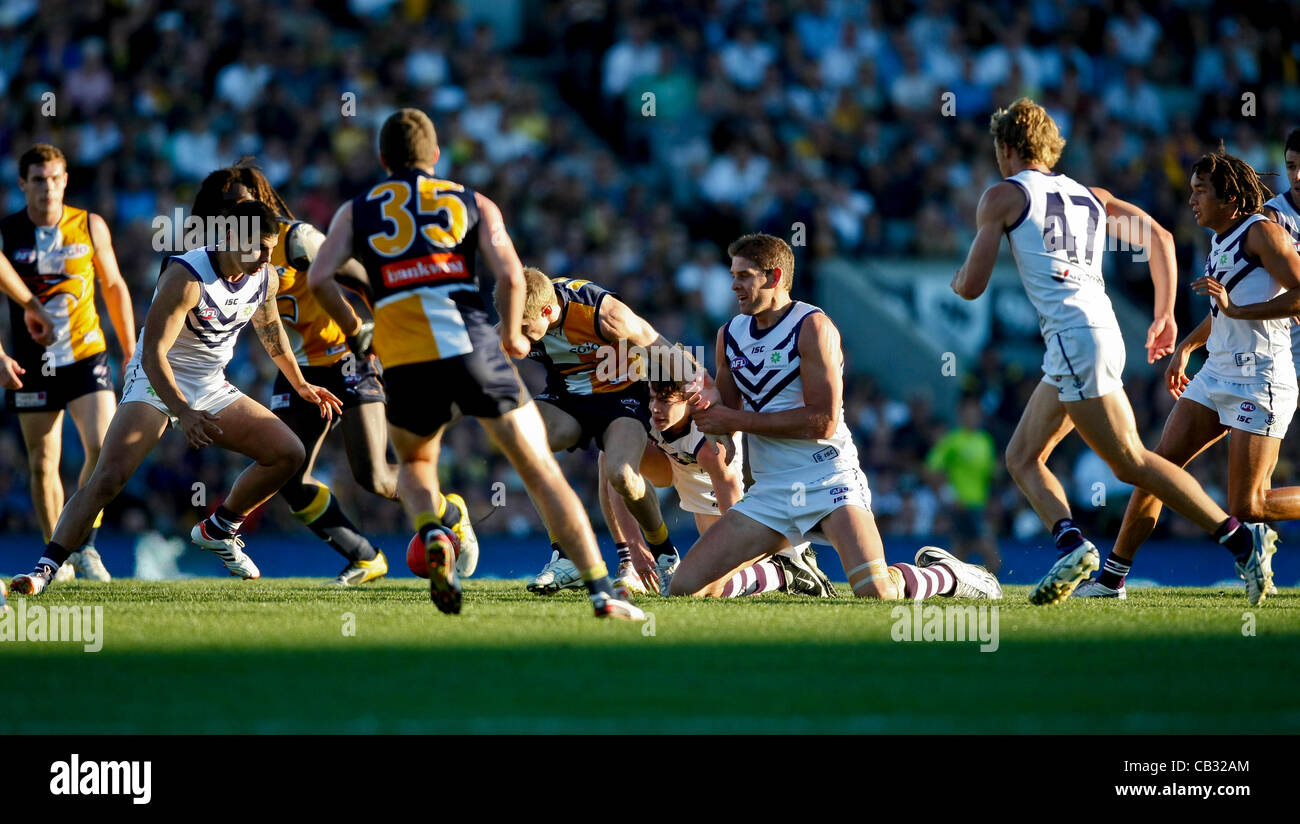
628,142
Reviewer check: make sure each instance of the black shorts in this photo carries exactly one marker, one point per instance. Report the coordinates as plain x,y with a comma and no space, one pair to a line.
355,381
52,393
424,397
594,413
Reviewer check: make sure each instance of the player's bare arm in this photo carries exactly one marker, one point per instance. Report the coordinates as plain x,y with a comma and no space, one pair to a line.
334,252
1176,379
9,371
728,485
1270,243
117,297
40,325
270,331
178,293
498,251
820,358
999,207
1136,228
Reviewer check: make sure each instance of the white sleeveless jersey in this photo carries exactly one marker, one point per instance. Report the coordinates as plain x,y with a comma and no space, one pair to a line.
1246,351
1058,242
765,366
206,341
692,482
1288,216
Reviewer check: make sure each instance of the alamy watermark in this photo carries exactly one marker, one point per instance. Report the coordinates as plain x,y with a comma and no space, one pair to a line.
179,232
654,363
82,625
919,621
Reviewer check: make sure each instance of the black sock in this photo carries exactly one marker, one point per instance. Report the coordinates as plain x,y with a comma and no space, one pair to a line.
451,515
335,529
555,547
89,543
664,548
624,553
1114,571
1233,535
600,586
223,523
1067,535
52,558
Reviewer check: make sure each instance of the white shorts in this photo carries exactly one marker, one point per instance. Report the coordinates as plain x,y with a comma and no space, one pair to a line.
1084,362
210,396
794,509
1260,408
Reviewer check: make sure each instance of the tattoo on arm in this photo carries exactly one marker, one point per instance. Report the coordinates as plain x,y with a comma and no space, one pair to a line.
267,324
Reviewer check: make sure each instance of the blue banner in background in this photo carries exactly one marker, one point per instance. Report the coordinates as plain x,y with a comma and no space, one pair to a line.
1167,563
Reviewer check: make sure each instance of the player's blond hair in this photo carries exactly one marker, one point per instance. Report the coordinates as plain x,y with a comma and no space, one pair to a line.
1029,130
538,292
769,252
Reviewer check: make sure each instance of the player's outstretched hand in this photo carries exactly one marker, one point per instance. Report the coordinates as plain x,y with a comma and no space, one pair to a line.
40,324
9,372
643,561
1217,292
1162,336
199,427
324,400
1176,379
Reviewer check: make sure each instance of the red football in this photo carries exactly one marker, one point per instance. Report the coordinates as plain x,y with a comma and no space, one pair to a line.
418,561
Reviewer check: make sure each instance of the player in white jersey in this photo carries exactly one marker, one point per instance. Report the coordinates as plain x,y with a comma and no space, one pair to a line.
1284,209
781,381
1248,383
708,482
1056,229
203,299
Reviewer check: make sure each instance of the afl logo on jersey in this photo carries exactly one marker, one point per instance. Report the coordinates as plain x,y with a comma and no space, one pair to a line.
208,313
1247,406
25,256
738,363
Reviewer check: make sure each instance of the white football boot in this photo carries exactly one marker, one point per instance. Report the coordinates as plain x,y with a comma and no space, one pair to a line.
90,565
1070,570
67,572
972,581
1258,570
666,567
616,609
559,573
467,559
229,550
628,582
1093,588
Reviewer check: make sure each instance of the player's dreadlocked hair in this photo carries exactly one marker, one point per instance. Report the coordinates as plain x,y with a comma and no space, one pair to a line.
250,174
1233,179
216,194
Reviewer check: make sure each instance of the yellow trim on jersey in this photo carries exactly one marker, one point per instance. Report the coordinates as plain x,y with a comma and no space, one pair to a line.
316,339
420,325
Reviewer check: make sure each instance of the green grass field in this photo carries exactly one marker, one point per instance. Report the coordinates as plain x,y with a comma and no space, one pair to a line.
271,656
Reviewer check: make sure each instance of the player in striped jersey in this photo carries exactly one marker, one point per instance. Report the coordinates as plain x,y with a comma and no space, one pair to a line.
781,381
708,482
1284,209
420,239
204,298
1248,383
61,252
592,346
323,354
1056,228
